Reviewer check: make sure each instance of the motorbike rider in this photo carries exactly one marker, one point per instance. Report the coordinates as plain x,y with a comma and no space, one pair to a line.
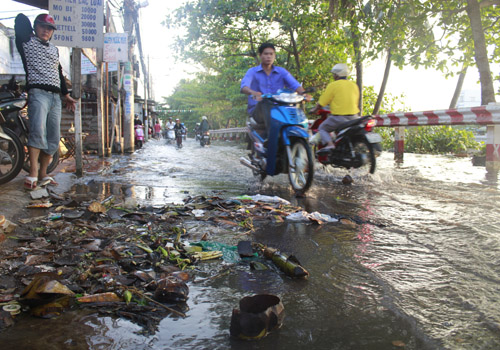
137,121
264,79
179,130
204,126
343,97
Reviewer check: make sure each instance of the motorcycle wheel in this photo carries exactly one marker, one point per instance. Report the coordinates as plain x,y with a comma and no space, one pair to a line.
202,142
364,148
11,156
52,165
301,178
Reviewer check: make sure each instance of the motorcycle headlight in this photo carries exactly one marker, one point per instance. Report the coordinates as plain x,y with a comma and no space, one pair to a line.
289,97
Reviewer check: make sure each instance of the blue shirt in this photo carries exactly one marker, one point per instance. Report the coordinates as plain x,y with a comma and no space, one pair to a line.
257,80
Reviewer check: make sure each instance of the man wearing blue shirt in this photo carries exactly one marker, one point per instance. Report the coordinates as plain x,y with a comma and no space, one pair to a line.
264,79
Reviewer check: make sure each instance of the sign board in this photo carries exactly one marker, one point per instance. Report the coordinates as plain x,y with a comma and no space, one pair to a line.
115,47
112,66
87,66
127,82
79,22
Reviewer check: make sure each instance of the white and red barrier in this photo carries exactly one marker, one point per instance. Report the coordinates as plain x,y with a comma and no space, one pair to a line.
482,115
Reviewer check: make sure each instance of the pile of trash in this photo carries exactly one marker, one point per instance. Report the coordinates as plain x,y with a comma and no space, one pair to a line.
135,263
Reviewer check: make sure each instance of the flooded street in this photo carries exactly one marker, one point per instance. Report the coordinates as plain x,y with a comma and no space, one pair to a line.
419,270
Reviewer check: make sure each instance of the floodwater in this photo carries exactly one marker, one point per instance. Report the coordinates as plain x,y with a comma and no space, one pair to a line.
420,270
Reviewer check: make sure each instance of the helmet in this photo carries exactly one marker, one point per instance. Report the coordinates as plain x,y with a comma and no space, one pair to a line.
341,70
197,123
177,120
45,19
204,117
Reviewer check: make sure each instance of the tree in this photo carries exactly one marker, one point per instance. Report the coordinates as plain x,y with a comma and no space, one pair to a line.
476,25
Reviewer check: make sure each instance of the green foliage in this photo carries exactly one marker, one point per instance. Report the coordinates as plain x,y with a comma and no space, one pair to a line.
433,139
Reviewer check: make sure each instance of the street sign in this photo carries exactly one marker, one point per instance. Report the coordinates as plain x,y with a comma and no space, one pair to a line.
87,66
115,47
79,22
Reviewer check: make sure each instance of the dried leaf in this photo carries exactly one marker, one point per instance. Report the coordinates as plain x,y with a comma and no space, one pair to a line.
100,298
96,207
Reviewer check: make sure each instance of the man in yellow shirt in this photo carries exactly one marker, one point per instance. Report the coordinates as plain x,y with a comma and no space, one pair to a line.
343,97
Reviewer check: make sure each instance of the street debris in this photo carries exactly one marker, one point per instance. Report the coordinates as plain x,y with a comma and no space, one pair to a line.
138,262
258,315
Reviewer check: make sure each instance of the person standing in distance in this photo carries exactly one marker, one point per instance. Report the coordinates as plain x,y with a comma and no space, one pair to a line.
266,78
44,83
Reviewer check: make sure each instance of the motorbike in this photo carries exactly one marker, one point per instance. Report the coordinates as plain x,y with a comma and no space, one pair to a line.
356,145
197,136
178,137
11,148
12,102
139,135
286,149
170,136
205,138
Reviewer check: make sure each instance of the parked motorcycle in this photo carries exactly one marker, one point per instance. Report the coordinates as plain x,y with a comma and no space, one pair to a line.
12,102
11,148
286,149
205,138
139,136
356,146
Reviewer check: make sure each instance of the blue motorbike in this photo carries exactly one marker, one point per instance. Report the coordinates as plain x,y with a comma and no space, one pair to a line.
280,146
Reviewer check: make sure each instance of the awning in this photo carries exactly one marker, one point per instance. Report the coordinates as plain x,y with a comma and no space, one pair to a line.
43,4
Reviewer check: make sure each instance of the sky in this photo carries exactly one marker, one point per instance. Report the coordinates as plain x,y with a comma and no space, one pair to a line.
424,89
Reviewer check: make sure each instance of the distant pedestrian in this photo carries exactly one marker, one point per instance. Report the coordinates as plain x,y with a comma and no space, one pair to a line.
157,130
44,83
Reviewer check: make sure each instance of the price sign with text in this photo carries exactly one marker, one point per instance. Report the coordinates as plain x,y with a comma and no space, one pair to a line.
79,22
115,47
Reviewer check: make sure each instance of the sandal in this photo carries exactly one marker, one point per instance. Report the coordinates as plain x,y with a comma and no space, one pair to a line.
30,183
48,180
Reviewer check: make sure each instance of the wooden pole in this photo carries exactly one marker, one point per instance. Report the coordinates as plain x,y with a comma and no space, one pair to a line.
100,115
76,80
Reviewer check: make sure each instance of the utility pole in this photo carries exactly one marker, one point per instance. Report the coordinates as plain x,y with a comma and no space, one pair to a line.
130,15
100,104
76,76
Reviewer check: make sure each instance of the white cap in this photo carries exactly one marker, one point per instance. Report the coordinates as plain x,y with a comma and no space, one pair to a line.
341,70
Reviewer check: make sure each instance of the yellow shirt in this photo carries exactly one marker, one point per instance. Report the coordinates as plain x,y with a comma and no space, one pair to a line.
343,97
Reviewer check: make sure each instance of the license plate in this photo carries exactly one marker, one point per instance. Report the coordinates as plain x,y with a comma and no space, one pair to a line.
373,137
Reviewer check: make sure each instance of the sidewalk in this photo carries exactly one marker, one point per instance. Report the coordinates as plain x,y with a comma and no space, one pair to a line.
14,198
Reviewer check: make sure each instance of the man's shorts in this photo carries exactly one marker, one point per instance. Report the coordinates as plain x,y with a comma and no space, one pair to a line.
44,113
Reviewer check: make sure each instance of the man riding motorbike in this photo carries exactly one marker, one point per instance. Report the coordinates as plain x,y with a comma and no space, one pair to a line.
179,130
343,97
264,79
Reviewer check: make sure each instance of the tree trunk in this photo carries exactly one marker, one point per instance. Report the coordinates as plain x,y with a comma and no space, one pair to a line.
380,97
295,51
480,52
458,89
359,66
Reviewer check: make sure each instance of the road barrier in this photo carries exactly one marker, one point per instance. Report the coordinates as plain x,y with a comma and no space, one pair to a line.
231,134
488,116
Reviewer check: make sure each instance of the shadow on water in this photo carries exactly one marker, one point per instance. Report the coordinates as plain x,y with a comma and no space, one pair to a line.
416,267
